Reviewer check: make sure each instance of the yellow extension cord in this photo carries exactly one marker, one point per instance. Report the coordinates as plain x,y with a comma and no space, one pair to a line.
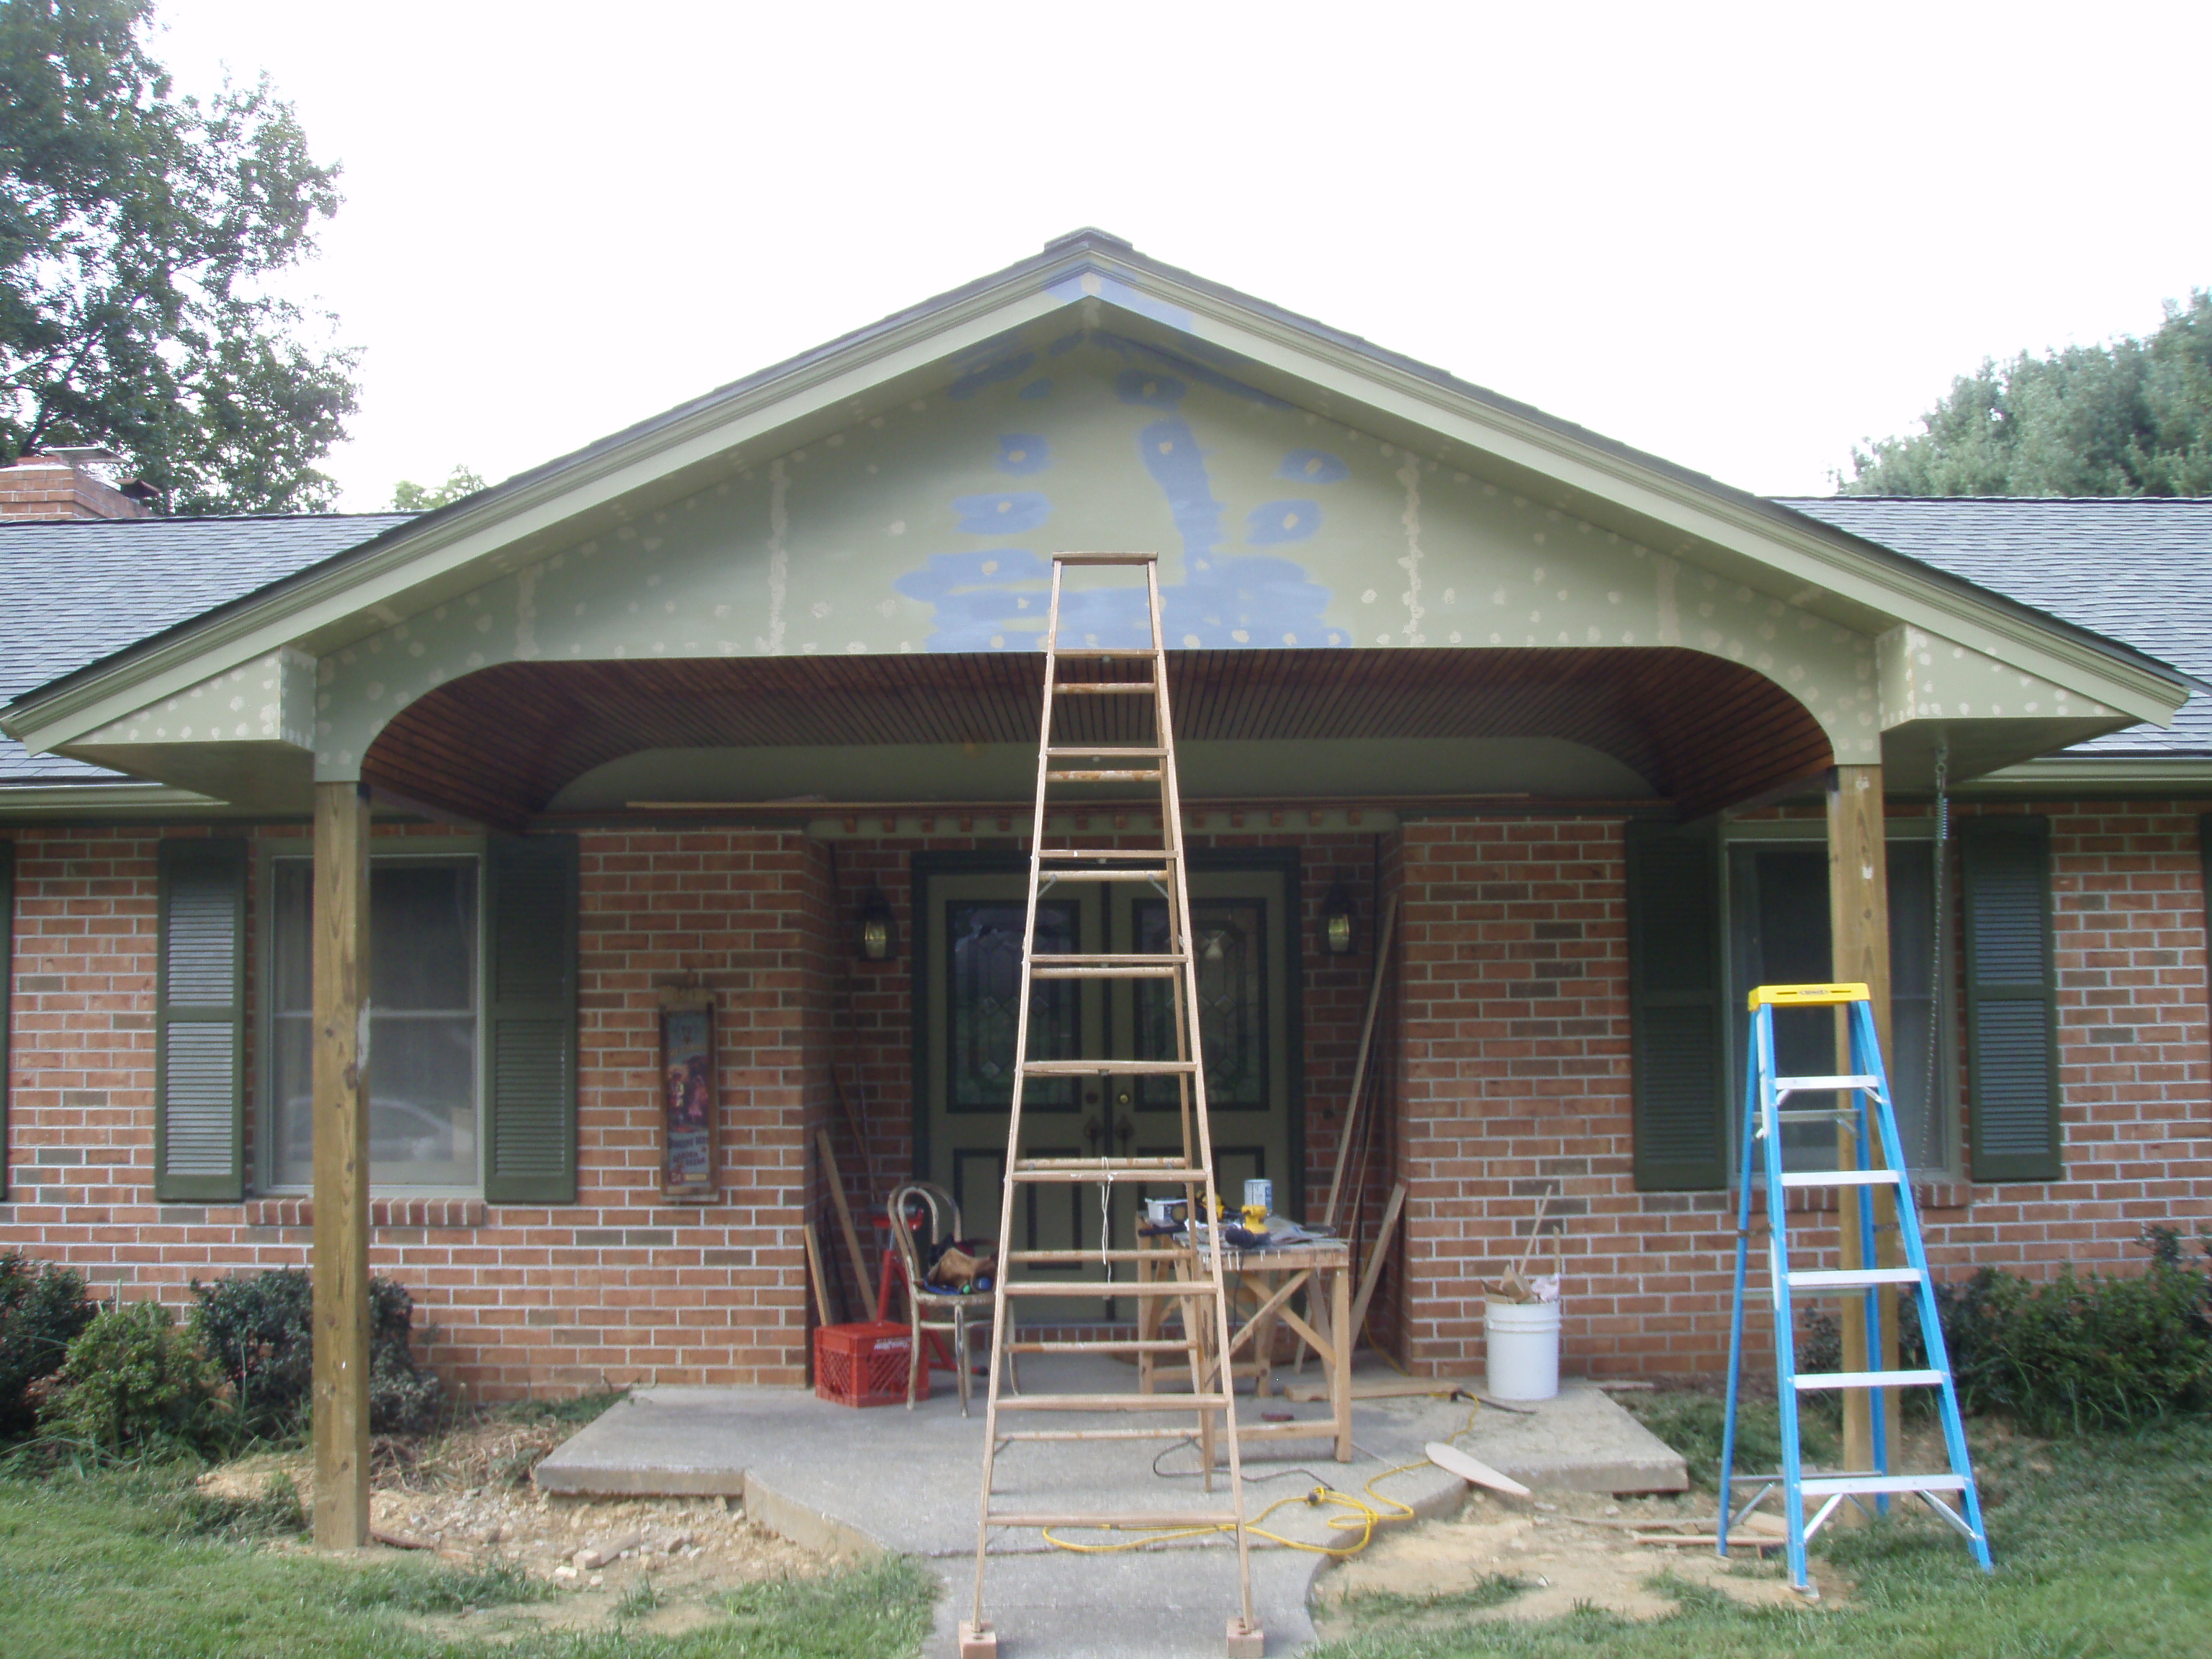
1364,1515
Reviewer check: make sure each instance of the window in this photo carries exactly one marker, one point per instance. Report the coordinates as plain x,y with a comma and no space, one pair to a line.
424,1025
1778,933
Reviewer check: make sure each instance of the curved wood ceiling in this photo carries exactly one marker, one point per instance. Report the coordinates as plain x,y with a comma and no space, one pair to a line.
498,744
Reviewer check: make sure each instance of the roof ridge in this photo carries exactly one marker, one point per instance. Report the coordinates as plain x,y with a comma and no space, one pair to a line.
208,517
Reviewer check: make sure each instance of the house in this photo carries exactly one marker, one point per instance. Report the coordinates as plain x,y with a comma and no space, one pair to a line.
741,702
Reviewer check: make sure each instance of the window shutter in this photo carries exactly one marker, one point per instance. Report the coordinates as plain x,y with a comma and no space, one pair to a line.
530,1020
7,978
1678,1031
199,1023
2012,1000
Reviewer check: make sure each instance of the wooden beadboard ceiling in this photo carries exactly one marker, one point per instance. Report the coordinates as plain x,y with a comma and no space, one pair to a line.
499,744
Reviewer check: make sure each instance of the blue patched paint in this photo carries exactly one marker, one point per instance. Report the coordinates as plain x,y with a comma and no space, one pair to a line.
1188,366
1036,389
1170,453
992,373
1136,386
978,598
1066,344
1312,466
1273,523
1009,515
1023,453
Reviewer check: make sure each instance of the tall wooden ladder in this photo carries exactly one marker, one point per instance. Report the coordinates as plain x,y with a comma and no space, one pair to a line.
1189,1275
1870,1118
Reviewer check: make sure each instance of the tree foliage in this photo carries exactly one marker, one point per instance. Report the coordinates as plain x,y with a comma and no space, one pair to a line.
2133,418
410,497
137,229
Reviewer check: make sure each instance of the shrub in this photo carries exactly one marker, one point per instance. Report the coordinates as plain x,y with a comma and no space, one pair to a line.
260,1329
42,1310
2075,1352
134,1382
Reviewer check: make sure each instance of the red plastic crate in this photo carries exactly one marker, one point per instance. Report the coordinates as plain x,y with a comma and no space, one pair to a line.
865,1364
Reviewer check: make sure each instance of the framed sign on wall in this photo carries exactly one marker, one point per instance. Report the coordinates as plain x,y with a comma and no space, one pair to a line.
687,1104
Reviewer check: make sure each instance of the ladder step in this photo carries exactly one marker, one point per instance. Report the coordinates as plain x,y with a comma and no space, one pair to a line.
1130,972
1821,1085
1119,1518
1109,1287
1817,1382
1845,1486
1820,1114
1097,1166
1095,653
1147,775
1106,558
1103,855
1114,1402
1108,966
1851,1279
1055,878
1169,1433
1842,1178
1103,688
1103,1345
1125,959
1109,1067
1036,1258
1107,752
1083,1172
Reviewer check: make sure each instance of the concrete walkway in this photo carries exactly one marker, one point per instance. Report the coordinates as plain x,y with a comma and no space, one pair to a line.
887,1479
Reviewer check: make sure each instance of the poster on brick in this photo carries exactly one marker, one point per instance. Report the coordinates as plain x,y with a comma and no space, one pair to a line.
687,1100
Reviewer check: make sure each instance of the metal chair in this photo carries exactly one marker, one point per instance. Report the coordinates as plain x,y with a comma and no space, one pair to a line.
954,1310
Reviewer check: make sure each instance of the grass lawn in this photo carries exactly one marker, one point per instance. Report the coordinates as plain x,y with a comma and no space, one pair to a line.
2104,1546
139,1565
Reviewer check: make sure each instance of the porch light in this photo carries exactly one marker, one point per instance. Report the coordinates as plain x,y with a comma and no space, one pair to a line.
1336,920
878,928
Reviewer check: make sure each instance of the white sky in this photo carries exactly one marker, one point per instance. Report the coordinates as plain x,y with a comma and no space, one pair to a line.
1739,237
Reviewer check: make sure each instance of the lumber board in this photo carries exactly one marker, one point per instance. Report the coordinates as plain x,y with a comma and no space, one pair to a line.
845,1225
1453,1461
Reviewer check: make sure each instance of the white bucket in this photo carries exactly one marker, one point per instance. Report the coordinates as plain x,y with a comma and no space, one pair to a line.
1522,1343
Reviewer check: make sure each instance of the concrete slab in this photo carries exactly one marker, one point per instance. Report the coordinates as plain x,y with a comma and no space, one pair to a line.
887,1479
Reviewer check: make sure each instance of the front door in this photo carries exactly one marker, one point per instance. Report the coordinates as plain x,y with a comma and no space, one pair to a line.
969,970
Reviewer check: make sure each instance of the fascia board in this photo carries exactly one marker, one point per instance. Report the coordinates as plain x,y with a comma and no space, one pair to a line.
2057,774
1891,587
385,574
77,800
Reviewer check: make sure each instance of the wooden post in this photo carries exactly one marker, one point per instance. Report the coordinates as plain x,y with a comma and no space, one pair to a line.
341,1165
1858,915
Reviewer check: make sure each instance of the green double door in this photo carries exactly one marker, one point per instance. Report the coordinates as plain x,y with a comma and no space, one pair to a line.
969,970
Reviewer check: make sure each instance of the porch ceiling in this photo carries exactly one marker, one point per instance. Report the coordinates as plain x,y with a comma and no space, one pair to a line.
498,744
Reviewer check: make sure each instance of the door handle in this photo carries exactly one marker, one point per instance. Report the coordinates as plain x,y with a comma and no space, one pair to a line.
1090,1129
1122,1131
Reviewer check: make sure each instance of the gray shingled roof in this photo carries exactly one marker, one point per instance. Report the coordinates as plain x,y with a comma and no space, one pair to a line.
2138,569
73,592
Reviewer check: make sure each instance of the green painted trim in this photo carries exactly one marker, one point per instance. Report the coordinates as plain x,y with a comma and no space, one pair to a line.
84,802
225,859
1985,845
7,986
2057,774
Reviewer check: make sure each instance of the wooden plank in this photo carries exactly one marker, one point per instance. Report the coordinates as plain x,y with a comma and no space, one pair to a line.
340,1085
814,1272
845,1226
1858,918
1347,1340
1384,1388
1453,1461
1360,1066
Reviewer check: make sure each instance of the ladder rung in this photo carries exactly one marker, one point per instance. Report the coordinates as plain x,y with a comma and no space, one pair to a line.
1102,972
1036,1258
1097,652
1109,1067
1851,1279
1121,1518
1114,1402
1821,1085
1098,1166
1816,1382
1842,1178
1104,1344
1108,775
1108,959
1106,558
1169,1432
1054,877
1833,1486
1100,751
1818,1114
1084,1174
1097,854
1103,688
1109,1287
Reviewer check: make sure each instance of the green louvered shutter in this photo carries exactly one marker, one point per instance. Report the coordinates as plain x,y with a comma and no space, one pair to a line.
1677,1013
199,1023
7,978
530,1020
2012,1000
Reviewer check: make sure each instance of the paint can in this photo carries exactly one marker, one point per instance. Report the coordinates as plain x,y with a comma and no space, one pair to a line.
1167,1211
1259,1195
1521,1342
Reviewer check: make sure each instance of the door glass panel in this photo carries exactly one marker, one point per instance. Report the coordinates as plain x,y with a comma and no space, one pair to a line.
983,980
1230,937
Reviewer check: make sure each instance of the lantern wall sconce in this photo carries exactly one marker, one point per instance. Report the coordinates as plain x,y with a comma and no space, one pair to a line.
1336,920
878,928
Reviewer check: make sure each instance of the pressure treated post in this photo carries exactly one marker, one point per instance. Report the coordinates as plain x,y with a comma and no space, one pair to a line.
341,1165
1858,914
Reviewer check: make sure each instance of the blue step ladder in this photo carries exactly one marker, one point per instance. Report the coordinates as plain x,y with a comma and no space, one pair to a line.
1870,1114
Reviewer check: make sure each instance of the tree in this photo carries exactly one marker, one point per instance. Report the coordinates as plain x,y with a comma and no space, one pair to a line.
137,230
463,480
2133,418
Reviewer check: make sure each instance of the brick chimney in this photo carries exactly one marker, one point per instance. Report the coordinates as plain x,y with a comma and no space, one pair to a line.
60,483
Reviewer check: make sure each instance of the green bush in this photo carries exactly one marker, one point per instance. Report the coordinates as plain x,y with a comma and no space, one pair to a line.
42,1308
134,1382
260,1329
2067,1354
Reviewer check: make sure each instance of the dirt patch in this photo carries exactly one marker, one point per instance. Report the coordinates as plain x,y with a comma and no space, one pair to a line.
1570,1550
